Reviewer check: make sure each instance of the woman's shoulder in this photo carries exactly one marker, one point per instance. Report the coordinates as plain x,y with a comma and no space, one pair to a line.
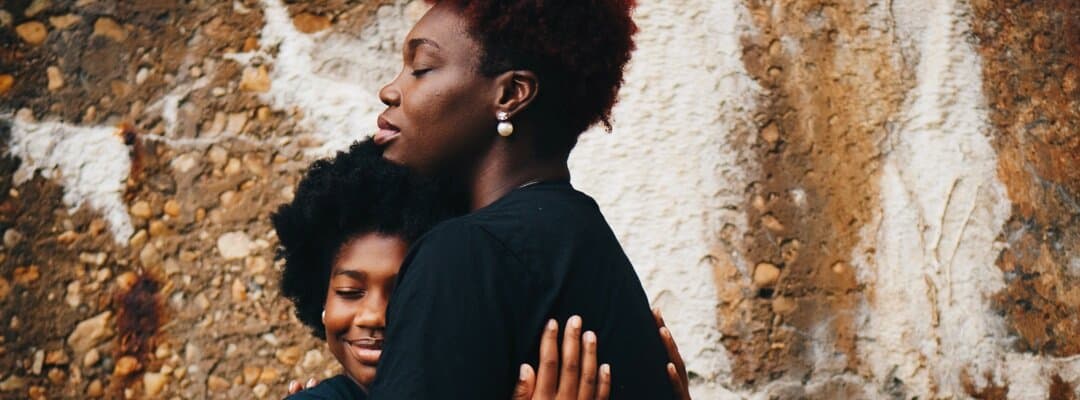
459,233
339,387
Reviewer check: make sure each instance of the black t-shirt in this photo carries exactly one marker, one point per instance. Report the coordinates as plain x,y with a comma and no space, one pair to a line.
339,387
475,292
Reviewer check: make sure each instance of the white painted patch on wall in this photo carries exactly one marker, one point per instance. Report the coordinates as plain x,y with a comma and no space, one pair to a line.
91,162
930,322
332,78
669,177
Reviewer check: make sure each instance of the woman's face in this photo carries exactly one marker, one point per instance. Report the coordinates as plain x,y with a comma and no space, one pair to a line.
361,281
440,109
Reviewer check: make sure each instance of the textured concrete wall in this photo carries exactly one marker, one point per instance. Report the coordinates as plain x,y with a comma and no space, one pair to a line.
853,199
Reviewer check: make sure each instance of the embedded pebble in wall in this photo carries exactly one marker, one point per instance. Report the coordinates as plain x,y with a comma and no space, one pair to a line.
310,23
107,27
62,22
255,79
56,78
36,7
217,384
90,332
12,237
5,288
33,33
154,383
6,82
234,245
766,275
141,209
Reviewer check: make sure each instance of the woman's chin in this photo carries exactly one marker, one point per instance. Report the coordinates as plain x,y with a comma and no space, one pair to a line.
394,154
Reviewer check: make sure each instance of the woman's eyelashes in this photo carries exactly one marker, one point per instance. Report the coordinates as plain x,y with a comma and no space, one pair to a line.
418,72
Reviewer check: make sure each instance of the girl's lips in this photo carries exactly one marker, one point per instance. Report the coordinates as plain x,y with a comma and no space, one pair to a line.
367,351
384,136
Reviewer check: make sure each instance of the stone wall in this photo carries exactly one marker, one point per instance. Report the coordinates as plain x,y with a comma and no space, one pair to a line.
853,199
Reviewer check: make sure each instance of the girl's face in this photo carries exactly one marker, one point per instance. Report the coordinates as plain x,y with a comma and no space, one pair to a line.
440,110
361,281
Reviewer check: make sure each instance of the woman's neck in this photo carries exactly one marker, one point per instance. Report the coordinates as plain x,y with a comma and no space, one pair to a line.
504,169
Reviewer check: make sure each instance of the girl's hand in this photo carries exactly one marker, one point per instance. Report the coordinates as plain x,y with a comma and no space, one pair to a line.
579,378
676,369
295,386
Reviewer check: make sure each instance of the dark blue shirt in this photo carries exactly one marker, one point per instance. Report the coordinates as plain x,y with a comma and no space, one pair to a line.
339,387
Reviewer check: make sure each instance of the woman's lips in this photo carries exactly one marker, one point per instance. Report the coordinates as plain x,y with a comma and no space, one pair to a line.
384,136
387,132
366,350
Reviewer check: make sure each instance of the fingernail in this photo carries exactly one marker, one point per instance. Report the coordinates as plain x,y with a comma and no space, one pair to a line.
523,372
605,369
575,322
664,331
671,367
552,325
293,383
589,337
310,383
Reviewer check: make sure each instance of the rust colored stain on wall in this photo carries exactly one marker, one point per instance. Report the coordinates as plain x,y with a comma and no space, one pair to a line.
1061,390
342,15
990,392
1031,68
820,123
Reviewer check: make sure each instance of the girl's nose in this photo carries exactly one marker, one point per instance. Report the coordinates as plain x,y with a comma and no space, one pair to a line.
372,313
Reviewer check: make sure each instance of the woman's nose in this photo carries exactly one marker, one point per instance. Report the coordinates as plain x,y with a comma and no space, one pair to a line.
389,94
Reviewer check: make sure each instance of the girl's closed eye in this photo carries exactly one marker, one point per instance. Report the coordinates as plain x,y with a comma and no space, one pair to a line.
418,72
350,293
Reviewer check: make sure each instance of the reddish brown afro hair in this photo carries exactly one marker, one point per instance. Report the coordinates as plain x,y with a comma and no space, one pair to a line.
577,48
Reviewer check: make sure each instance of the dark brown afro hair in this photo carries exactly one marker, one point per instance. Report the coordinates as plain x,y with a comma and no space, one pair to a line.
354,193
577,48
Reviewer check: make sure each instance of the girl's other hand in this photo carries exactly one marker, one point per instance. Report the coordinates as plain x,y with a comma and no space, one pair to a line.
579,378
676,369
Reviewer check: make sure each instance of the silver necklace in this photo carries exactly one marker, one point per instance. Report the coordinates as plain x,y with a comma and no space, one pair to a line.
529,183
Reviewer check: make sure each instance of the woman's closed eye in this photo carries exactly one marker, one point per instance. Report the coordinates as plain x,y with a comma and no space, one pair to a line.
418,72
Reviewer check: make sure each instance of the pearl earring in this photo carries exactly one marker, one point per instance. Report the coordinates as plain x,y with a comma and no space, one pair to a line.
324,316
505,128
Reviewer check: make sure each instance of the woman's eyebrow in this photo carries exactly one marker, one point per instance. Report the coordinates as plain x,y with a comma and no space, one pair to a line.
416,42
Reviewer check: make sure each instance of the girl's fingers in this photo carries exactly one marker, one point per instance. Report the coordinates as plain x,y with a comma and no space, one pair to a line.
547,378
603,390
571,359
682,392
673,354
587,386
526,383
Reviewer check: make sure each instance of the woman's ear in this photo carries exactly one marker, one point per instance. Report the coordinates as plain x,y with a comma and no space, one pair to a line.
516,90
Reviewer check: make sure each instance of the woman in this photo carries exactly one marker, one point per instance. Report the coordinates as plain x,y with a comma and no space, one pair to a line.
343,238
492,96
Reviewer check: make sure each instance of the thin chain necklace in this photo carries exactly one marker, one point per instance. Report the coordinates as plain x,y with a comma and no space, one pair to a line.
529,183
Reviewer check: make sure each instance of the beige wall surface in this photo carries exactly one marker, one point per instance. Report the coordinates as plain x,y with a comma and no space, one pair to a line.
827,199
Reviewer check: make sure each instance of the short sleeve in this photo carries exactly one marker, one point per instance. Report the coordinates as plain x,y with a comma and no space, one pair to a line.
453,319
339,387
